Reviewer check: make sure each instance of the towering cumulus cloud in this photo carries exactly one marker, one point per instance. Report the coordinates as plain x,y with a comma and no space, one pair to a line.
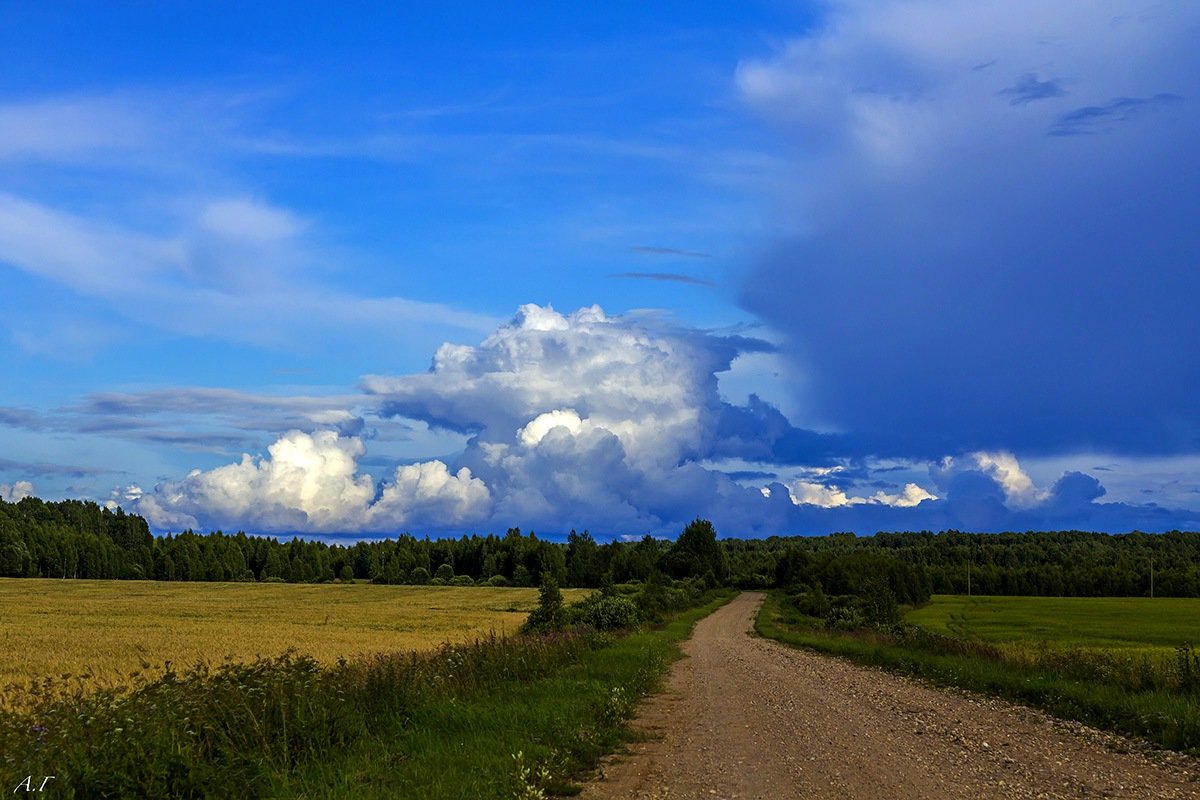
586,418
616,424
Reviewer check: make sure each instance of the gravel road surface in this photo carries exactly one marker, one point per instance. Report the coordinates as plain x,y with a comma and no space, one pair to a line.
744,717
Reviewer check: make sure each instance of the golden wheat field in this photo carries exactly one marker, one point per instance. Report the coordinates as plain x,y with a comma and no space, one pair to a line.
107,629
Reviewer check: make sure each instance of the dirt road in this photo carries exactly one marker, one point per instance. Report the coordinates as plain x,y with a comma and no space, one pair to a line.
743,717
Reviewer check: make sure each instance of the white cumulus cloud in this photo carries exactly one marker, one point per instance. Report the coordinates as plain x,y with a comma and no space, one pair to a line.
11,493
429,492
911,495
542,424
1006,471
804,492
311,482
1003,468
818,494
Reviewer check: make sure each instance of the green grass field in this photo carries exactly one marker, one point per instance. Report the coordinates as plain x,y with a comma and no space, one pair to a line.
1101,623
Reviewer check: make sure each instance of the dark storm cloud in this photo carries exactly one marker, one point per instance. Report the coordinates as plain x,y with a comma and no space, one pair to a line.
962,281
752,475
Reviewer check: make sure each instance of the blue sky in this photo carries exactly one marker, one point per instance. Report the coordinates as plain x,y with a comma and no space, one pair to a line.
797,267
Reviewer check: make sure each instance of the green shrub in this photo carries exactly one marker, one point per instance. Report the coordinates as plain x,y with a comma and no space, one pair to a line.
878,605
549,614
604,612
811,602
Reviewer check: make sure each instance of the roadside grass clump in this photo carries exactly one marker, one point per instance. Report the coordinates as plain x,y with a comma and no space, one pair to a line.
1143,694
441,723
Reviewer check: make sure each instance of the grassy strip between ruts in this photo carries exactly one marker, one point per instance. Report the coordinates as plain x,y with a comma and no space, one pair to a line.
515,739
497,718
1167,716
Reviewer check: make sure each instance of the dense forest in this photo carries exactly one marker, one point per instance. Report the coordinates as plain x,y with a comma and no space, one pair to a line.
77,539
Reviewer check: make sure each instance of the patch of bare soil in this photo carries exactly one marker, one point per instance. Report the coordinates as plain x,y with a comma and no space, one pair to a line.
743,717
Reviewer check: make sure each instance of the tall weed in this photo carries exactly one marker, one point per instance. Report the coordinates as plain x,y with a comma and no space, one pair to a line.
183,733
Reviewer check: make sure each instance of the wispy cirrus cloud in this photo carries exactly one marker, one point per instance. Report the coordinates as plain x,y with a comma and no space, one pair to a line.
671,277
1028,88
669,251
26,418
195,418
1101,118
140,198
46,468
74,128
234,271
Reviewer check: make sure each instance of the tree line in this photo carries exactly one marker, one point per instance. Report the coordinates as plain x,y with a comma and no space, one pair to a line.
80,539
1041,563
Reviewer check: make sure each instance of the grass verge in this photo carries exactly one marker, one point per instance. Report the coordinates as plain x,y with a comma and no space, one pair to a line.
517,739
1168,716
